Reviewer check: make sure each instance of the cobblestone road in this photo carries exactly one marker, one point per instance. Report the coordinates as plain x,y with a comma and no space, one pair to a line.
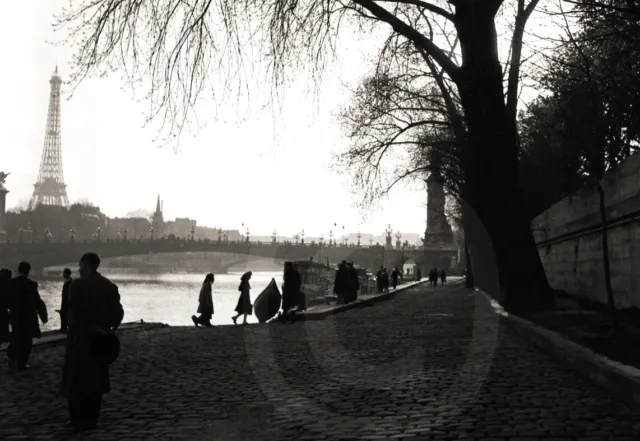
425,365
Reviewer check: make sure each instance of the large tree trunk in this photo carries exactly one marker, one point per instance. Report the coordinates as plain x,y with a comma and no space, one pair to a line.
481,257
605,260
490,161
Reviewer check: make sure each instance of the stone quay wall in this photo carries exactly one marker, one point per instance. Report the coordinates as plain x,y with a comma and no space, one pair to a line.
570,241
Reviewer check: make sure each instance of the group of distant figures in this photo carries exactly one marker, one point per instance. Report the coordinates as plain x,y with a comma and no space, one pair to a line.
382,279
434,274
345,289
90,313
205,301
292,298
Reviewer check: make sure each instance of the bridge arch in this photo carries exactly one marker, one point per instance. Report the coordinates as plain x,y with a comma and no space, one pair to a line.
408,266
181,261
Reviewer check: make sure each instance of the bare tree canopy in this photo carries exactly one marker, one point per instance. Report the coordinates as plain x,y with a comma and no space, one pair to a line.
392,124
179,48
397,118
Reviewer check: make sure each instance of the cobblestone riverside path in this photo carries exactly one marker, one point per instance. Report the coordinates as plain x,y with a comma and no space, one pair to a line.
429,364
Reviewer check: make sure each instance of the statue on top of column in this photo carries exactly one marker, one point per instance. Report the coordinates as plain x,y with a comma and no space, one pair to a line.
439,230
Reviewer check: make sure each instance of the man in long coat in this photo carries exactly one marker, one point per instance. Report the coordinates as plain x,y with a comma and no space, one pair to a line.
25,306
290,290
380,279
341,283
64,304
290,287
354,283
94,308
395,276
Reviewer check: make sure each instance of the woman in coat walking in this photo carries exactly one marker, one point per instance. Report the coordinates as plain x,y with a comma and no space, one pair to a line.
244,306
205,303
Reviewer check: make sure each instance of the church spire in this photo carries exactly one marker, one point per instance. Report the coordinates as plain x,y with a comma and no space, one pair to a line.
158,219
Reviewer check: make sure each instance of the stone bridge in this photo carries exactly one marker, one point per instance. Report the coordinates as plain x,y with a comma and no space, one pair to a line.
44,254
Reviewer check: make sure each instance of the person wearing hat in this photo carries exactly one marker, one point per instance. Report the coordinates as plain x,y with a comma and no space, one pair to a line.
205,303
354,283
244,306
341,283
95,312
64,304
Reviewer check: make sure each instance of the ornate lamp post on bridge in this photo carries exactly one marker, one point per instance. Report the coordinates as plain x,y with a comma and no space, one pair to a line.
72,234
151,233
371,241
330,237
274,237
344,237
359,236
302,238
389,243
124,233
297,238
248,235
398,236
219,235
225,236
321,239
193,232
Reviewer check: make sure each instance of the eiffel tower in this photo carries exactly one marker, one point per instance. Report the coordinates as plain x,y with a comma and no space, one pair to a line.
50,189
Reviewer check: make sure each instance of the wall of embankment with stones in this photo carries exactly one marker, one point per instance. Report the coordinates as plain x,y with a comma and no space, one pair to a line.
569,238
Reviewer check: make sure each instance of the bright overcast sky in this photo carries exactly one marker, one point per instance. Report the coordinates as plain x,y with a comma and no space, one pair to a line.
263,172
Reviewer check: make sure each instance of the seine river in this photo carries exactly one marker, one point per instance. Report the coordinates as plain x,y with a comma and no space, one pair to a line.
167,298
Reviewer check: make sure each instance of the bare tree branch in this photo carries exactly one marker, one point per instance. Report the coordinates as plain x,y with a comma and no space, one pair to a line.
412,34
522,16
424,5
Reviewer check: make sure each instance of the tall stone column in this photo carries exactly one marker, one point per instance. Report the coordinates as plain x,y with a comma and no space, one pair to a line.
438,230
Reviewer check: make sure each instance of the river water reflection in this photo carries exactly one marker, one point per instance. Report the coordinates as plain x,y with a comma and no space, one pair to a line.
167,298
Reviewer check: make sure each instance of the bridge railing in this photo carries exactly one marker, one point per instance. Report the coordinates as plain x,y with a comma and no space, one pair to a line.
212,242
